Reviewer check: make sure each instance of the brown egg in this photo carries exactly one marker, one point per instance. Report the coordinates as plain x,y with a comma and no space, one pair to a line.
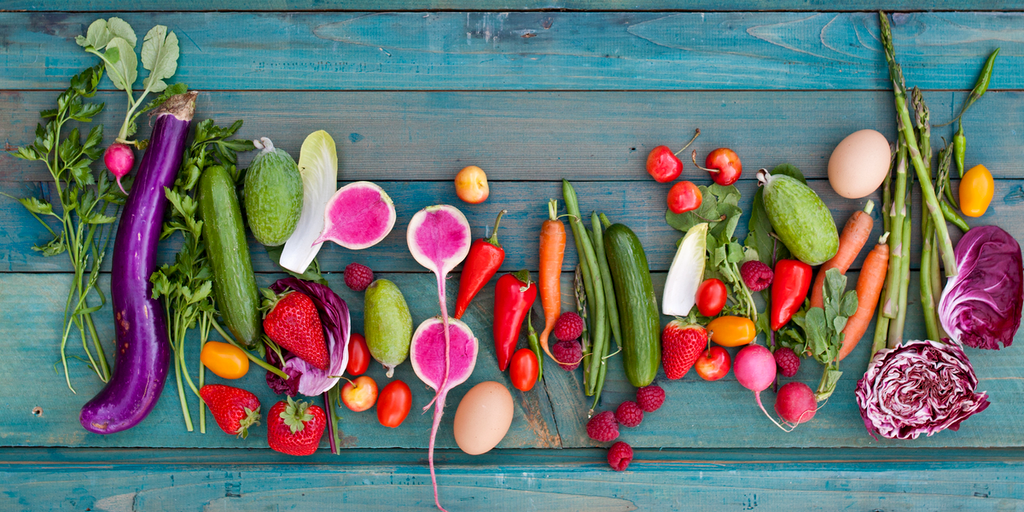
859,164
483,417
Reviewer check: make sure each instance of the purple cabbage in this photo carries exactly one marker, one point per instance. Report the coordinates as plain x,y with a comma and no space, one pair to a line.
981,306
303,377
920,387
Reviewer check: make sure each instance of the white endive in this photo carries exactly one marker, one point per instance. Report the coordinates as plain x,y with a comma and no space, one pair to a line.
318,165
686,272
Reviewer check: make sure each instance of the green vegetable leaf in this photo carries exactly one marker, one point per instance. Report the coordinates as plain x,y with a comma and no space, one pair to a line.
37,206
791,171
828,384
122,65
97,36
171,90
53,247
160,57
120,28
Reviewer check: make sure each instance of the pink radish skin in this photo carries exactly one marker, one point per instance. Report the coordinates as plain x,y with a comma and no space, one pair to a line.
439,239
795,403
754,367
119,159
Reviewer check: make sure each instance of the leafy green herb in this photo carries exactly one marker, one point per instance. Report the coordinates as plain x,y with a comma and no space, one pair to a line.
823,328
114,41
186,286
720,209
311,274
82,224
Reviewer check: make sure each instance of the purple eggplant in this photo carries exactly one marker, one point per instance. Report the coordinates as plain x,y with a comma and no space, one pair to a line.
142,348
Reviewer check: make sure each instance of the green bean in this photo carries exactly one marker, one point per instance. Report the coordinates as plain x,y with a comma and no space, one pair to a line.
606,279
534,341
595,293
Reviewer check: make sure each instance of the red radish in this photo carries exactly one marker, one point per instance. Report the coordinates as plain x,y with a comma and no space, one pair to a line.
443,355
795,403
439,239
754,367
120,159
358,216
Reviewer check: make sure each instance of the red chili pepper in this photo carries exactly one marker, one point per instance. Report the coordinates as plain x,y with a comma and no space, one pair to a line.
789,289
484,259
513,297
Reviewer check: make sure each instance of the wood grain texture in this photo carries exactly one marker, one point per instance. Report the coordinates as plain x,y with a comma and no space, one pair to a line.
638,205
508,5
533,480
697,414
537,50
545,136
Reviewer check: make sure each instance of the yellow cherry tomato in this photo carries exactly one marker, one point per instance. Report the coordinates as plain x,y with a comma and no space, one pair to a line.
976,190
732,331
225,360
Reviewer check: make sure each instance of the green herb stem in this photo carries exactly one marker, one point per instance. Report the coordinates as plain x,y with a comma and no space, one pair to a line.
252,357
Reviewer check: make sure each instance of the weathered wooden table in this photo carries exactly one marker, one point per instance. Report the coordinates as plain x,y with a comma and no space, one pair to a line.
532,92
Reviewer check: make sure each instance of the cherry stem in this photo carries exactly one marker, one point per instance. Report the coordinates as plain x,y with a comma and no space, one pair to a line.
696,133
693,156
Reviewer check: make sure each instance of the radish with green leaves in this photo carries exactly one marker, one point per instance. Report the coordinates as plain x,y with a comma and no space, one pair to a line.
439,239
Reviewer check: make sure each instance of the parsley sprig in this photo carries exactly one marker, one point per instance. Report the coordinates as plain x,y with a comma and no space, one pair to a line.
81,220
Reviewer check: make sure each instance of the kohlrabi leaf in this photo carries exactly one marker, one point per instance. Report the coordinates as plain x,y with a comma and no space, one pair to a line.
122,65
121,28
96,37
160,57
318,166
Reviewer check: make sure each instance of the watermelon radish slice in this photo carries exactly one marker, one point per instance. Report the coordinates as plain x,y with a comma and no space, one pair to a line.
359,216
442,366
439,239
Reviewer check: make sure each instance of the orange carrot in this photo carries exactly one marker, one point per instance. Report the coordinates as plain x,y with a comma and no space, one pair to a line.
855,235
552,250
869,287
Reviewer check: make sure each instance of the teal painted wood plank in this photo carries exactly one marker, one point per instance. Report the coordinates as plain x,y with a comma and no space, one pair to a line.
697,414
639,205
537,50
544,136
508,5
34,343
517,482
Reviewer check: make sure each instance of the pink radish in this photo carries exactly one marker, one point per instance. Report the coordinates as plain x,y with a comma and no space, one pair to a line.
439,239
358,216
754,367
795,403
120,159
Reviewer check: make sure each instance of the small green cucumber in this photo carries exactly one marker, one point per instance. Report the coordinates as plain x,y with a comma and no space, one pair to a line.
234,284
638,307
799,217
273,194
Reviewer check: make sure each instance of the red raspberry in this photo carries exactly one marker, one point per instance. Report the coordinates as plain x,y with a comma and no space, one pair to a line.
603,427
650,398
358,277
756,275
569,352
620,455
629,414
568,327
788,361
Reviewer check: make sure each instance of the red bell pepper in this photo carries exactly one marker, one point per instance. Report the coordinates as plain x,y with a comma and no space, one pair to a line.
484,259
789,289
513,297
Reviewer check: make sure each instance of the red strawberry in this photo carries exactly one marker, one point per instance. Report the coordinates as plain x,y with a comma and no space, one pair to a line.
293,323
295,428
681,345
234,409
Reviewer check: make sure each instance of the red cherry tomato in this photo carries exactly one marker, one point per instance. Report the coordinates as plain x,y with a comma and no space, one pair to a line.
663,165
394,403
711,296
358,354
727,164
524,369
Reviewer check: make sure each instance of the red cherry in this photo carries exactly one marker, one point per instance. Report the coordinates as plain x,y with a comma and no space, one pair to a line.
713,364
663,165
683,197
723,164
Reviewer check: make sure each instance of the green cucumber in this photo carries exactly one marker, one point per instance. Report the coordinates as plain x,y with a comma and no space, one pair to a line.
273,194
638,307
234,284
799,218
